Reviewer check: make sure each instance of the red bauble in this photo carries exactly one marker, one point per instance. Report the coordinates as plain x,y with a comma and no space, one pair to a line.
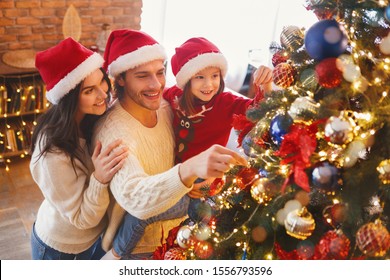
175,253
373,239
203,249
328,75
216,186
246,177
283,75
279,57
334,245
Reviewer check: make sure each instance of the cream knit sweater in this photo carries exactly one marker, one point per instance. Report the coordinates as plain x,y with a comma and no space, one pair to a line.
147,184
72,215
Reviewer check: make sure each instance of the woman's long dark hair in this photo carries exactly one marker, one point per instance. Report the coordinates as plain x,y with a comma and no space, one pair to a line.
60,129
187,99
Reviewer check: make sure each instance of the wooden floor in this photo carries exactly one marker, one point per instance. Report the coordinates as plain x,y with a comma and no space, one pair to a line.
20,198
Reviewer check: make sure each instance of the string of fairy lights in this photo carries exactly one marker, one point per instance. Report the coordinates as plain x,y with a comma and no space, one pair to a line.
22,100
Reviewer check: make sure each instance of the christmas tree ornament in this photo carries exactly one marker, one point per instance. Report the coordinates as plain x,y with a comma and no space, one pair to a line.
246,177
292,37
283,75
259,234
299,223
263,191
303,198
281,216
292,205
384,171
335,214
339,130
356,150
308,79
324,39
360,84
279,57
327,73
343,61
351,73
305,249
216,186
326,177
373,239
203,250
202,232
387,13
279,126
303,107
175,253
333,245
185,237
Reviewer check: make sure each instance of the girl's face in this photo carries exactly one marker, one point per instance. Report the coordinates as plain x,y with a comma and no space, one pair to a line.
93,95
205,84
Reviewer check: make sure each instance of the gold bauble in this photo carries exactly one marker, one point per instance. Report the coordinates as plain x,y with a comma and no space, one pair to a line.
299,223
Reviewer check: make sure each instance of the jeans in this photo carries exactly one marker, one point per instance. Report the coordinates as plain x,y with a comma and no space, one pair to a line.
132,228
41,251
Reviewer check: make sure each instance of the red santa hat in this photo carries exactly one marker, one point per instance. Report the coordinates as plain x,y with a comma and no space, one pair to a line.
127,49
194,55
64,66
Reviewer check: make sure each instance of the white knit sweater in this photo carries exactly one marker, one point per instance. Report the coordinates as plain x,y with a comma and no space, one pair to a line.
147,184
72,215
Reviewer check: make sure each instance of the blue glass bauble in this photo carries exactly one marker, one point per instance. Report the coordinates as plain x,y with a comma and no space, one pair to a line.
325,39
279,126
326,177
387,13
246,145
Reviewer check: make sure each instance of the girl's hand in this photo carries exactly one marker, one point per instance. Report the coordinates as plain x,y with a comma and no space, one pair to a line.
263,77
108,161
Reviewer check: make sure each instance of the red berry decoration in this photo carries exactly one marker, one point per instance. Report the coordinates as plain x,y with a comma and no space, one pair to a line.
373,239
334,245
283,75
328,75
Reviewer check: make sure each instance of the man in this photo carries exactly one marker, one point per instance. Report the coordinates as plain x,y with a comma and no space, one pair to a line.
148,184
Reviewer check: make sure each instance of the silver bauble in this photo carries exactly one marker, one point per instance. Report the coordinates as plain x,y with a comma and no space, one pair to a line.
339,130
184,237
303,107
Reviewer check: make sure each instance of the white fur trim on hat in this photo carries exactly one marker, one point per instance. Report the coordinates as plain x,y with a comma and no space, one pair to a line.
136,58
198,63
73,78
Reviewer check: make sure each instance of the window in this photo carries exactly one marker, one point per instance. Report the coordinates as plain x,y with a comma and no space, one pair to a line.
234,26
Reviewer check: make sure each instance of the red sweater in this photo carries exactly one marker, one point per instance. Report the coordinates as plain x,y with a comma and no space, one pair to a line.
210,125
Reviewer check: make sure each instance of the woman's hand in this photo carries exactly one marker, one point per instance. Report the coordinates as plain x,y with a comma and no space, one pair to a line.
108,161
263,77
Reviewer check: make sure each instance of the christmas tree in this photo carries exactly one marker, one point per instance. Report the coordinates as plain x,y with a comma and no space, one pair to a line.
318,184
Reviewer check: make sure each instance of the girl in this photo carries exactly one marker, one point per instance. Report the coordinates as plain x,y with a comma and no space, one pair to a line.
71,218
203,115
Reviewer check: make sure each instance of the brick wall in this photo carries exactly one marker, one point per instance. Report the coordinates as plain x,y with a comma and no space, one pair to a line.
37,24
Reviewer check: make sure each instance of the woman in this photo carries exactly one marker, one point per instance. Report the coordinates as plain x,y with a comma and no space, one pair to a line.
71,218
